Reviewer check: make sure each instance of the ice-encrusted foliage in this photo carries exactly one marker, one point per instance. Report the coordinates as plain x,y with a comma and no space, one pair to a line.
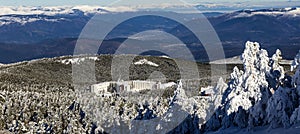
295,118
275,63
247,87
295,62
295,66
235,77
41,112
249,101
280,107
260,94
214,122
285,99
134,112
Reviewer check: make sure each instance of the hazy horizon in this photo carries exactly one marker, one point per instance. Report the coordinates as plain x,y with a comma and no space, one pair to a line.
213,5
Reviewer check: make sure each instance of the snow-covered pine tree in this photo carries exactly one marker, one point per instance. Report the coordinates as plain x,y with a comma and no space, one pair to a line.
246,99
280,107
284,100
276,58
247,90
295,117
295,66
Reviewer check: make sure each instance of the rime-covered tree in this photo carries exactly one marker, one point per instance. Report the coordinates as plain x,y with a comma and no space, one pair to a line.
246,99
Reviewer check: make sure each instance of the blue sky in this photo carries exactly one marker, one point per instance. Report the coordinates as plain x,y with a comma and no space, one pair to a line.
134,2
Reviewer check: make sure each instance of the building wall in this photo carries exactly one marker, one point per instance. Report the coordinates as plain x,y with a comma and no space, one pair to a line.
100,88
137,85
142,85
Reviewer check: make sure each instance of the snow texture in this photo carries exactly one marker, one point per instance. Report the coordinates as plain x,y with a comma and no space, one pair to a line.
238,60
145,62
247,89
292,12
260,98
261,95
77,60
60,10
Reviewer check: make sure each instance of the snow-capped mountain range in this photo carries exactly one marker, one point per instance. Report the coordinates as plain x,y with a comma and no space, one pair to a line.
44,31
87,9
290,12
60,10
23,14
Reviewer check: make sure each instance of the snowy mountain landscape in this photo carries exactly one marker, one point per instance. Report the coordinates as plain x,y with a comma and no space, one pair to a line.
55,79
260,97
46,32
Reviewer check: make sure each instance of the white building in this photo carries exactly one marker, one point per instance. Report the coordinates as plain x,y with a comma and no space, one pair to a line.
120,86
123,86
142,85
100,88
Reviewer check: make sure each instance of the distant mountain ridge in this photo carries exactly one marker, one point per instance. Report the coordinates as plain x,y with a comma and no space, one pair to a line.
273,28
34,31
57,10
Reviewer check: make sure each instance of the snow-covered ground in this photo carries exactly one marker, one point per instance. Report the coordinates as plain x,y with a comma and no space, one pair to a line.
165,85
77,60
6,20
164,56
233,60
293,12
59,10
238,60
261,98
145,62
286,62
151,35
207,90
